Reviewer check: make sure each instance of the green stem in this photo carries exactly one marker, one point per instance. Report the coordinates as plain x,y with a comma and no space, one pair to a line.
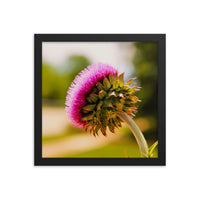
136,132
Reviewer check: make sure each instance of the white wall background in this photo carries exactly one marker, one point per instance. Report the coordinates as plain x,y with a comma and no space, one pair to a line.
20,179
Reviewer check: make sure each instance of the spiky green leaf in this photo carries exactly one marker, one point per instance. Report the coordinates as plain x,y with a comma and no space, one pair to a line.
99,86
121,80
115,84
152,148
93,98
134,99
102,94
107,103
99,105
130,81
106,84
89,107
87,117
111,78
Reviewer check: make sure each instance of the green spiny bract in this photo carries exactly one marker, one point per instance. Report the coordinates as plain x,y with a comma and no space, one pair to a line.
106,99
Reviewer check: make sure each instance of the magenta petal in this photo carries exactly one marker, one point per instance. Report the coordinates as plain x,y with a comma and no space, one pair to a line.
81,87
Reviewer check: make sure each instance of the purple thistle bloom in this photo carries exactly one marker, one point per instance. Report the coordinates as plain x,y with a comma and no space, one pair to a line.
98,99
97,96
81,87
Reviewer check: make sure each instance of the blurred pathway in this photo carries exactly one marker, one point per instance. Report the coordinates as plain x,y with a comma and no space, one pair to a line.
76,144
54,122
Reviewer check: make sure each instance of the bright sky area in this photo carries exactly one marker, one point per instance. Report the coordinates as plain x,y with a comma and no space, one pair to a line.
114,53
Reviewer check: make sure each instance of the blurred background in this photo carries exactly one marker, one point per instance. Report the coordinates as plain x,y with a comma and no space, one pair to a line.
61,62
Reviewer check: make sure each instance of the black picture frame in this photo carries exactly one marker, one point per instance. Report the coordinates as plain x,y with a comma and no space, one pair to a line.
39,38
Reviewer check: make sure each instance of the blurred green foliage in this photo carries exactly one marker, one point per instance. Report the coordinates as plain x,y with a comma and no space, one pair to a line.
73,66
145,61
52,83
55,80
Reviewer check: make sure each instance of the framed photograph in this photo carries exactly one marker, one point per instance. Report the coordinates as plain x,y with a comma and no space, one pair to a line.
99,99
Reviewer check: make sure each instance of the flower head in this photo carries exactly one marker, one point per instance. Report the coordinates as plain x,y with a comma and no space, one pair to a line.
96,95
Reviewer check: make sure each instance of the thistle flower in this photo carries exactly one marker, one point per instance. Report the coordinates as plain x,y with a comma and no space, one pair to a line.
97,96
99,99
